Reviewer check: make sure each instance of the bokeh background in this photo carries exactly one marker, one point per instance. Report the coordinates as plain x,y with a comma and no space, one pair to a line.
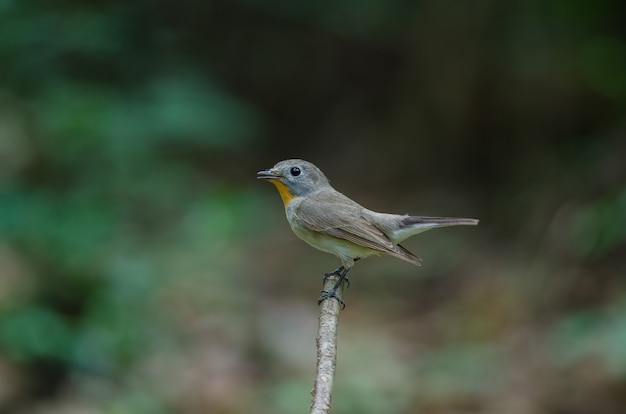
144,269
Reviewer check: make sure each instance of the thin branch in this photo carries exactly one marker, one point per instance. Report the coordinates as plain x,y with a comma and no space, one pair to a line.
326,350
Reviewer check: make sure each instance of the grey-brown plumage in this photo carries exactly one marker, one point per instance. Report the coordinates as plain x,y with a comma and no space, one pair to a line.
332,213
329,221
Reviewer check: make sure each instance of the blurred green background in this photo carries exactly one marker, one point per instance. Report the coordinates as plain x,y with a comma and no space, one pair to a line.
144,269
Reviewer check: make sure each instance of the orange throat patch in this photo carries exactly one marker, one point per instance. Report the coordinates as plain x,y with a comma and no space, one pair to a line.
284,191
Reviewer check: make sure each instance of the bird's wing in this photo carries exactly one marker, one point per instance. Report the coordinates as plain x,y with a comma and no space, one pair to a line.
340,217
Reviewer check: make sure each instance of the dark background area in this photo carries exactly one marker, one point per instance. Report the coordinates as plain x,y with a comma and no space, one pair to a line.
144,269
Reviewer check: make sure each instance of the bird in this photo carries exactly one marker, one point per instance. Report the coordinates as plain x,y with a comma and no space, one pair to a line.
333,223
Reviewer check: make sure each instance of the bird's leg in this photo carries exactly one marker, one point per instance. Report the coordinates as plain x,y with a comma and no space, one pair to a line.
337,272
333,292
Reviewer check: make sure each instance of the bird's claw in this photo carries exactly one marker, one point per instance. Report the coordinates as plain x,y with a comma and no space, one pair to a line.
343,281
331,294
337,272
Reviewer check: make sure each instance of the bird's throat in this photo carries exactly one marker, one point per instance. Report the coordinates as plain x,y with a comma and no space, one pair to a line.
284,191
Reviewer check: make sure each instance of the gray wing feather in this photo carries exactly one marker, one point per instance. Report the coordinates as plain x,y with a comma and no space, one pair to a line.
340,217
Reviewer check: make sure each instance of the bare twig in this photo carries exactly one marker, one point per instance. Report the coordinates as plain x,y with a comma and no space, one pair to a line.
326,350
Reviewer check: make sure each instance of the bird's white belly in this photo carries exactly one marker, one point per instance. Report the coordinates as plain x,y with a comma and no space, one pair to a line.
343,249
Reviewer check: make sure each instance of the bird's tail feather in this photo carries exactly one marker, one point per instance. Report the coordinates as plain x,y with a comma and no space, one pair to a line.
438,221
412,225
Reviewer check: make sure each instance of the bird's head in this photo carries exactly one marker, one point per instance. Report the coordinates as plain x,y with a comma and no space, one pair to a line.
294,178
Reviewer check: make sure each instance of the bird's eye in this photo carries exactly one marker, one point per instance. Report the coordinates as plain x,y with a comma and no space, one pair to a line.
295,171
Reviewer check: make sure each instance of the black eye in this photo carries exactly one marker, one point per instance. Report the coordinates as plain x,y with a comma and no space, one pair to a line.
295,171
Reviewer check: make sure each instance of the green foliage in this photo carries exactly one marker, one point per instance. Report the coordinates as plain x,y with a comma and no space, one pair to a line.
602,63
34,332
593,336
462,369
355,18
600,227
105,185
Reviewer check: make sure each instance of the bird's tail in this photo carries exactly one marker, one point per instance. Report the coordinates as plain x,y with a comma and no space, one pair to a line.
412,225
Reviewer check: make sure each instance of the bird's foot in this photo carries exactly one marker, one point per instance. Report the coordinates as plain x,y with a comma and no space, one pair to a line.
338,272
327,294
342,272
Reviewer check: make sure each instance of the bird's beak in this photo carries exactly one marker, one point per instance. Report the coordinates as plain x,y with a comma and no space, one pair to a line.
268,174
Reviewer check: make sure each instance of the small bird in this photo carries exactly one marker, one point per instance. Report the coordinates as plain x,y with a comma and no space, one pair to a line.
333,223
